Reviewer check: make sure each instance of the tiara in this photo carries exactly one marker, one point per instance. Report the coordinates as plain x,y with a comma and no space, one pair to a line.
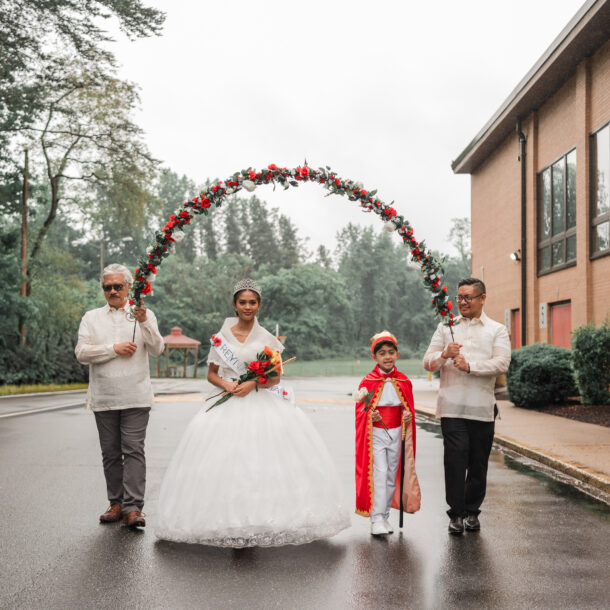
247,284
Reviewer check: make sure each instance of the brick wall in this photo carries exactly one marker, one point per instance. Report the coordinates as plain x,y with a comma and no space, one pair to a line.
565,121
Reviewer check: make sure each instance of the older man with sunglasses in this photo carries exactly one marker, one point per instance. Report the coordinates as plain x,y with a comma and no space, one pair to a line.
469,363
115,343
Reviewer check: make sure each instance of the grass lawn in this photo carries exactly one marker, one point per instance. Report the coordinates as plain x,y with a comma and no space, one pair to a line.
411,367
7,390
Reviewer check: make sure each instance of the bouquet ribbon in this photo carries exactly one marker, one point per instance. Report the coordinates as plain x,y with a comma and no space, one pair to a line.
240,367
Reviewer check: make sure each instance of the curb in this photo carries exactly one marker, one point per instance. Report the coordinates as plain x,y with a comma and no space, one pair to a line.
597,480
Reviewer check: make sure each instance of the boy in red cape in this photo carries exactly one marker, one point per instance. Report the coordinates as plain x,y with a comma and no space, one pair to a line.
384,417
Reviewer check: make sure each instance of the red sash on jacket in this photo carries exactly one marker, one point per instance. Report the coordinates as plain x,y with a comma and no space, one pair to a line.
364,434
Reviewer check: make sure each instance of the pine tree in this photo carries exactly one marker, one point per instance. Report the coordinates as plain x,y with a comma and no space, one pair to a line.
233,233
290,244
323,257
210,242
262,236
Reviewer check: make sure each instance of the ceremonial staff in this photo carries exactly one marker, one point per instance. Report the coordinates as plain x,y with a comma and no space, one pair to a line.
402,471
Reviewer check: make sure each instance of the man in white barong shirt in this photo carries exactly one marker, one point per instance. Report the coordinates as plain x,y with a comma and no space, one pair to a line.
120,392
469,365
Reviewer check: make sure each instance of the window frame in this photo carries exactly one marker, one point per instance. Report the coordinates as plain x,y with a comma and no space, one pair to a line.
596,220
567,232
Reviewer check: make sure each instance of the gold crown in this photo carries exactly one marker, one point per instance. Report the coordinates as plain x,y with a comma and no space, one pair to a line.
384,335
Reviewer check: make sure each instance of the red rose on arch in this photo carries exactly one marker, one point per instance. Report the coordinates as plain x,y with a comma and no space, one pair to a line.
304,171
272,167
147,288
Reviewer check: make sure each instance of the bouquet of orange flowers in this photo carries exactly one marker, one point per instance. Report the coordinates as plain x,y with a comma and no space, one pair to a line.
262,369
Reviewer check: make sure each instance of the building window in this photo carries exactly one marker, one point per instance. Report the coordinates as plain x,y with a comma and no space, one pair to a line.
557,214
600,187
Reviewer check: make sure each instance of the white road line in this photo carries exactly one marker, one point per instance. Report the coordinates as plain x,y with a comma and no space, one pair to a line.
41,410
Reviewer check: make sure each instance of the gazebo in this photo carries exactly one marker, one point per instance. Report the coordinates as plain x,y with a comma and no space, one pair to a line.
177,341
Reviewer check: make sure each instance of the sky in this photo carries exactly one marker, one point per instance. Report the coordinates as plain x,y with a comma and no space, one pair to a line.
387,93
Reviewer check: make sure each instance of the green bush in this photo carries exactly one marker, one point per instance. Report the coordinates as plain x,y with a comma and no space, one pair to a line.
540,375
49,360
591,363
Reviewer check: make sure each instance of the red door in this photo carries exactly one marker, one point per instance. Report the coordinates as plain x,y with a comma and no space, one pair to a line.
515,329
561,324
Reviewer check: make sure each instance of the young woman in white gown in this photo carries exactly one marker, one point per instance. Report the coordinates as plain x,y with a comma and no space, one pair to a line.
252,471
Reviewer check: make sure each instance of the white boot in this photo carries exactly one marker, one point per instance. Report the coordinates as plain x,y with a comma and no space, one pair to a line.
378,528
388,526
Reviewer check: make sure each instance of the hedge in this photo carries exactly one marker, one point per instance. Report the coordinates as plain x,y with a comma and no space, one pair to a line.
591,363
540,375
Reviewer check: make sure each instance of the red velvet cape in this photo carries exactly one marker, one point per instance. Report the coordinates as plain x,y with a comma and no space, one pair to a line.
364,435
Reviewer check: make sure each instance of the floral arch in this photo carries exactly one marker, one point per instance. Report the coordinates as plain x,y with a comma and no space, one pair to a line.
248,179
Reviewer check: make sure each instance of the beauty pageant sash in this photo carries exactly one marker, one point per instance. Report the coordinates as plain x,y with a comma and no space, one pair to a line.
223,348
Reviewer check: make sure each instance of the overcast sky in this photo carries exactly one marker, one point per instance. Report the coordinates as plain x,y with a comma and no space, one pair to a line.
385,92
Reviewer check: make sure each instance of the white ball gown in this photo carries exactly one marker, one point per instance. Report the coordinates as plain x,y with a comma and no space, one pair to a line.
251,472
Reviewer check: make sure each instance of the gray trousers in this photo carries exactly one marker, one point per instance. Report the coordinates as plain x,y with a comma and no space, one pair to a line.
122,433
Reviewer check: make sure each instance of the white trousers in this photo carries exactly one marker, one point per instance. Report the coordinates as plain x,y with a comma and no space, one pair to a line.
386,456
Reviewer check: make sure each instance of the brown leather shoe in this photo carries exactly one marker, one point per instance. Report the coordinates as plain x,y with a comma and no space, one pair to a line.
112,514
133,519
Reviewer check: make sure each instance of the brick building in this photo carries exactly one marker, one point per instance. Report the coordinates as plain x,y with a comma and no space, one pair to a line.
540,184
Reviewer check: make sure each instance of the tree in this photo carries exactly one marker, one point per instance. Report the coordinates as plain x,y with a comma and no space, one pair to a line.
263,243
29,29
85,141
385,292
291,247
210,241
312,307
459,236
173,190
323,257
233,231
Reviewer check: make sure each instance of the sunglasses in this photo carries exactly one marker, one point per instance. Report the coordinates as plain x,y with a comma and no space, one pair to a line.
116,287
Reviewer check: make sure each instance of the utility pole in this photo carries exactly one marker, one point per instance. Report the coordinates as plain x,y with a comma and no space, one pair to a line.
24,244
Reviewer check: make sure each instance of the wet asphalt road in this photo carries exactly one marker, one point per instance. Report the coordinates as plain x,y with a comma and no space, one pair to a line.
542,545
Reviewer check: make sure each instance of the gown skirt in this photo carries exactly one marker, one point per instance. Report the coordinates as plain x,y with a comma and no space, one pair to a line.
253,471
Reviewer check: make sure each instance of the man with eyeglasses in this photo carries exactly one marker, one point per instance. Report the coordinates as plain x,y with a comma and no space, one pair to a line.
469,364
120,393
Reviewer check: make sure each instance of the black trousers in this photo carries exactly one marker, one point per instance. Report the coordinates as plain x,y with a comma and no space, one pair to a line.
467,446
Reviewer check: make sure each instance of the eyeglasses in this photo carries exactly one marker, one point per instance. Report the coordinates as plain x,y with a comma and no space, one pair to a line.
467,297
116,287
